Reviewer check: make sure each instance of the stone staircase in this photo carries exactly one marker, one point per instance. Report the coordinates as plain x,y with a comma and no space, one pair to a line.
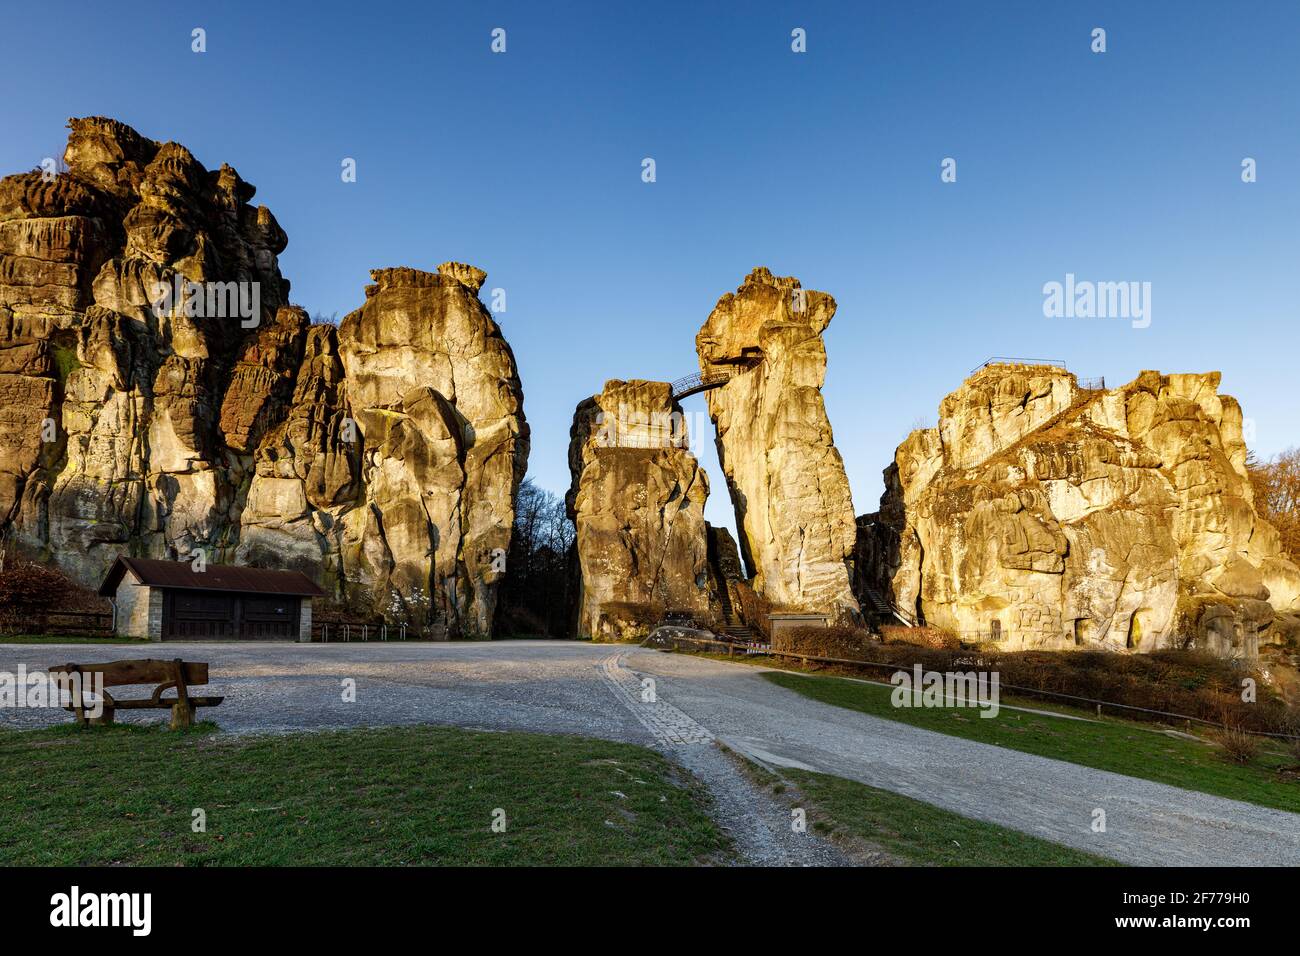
733,629
875,603
885,611
741,634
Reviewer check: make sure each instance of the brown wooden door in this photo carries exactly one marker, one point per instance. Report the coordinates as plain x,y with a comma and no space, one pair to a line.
217,615
268,618
198,615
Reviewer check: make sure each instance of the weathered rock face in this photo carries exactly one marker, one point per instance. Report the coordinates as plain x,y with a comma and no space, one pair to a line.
306,474
385,454
132,391
637,499
786,479
726,575
1043,515
436,396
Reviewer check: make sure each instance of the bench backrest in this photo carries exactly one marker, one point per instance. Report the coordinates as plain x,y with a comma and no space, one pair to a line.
144,671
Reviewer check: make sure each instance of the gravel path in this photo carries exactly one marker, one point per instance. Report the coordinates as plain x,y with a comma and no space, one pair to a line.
1146,823
597,690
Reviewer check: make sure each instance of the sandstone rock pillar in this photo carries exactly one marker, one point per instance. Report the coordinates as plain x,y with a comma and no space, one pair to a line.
637,500
112,442
794,512
435,394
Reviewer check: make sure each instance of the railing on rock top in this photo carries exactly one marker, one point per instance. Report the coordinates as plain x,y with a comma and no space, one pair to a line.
1097,384
1005,360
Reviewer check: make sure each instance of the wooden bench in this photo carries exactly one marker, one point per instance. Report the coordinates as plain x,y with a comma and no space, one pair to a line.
178,674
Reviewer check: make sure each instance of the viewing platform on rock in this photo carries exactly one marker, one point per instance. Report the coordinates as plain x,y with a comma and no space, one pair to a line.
1097,384
1005,360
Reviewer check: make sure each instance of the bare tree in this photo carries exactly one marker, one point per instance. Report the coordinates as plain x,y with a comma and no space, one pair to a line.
1277,495
539,589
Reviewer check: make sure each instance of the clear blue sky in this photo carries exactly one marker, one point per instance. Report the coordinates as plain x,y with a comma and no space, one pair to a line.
825,165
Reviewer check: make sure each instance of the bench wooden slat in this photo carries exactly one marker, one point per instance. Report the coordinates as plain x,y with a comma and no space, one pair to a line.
143,671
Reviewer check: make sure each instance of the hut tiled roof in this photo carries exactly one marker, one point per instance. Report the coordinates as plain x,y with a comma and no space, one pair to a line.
215,577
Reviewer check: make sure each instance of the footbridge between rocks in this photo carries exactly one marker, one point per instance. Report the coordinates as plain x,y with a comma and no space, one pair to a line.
715,378
699,382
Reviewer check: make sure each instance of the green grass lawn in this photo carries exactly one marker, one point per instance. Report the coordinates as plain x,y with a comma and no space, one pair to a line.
1108,744
67,639
912,832
421,795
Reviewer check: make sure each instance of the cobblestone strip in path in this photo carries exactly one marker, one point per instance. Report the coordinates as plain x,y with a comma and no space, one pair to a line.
757,822
666,723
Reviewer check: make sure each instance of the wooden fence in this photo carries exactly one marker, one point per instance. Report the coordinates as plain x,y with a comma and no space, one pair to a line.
95,623
701,644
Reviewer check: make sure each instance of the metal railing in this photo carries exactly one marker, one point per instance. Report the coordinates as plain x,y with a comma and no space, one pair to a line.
1007,360
981,636
347,632
887,607
908,619
1097,384
898,617
699,382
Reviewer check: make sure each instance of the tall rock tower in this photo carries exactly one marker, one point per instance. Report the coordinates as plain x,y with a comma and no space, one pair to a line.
111,437
787,482
637,500
382,457
435,393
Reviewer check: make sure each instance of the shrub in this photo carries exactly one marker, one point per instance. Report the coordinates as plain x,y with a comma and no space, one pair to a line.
848,643
1238,746
1292,742
919,636
28,591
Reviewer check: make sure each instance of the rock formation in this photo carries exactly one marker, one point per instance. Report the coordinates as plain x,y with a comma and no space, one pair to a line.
306,477
1044,515
786,479
637,498
161,397
132,390
727,578
437,401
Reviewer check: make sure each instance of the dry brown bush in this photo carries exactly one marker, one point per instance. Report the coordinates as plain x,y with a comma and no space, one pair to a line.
919,636
30,591
1238,746
847,643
